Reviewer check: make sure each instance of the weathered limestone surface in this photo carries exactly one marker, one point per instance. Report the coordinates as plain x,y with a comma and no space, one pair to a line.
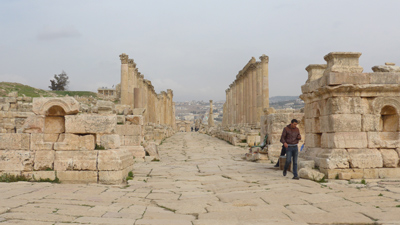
56,143
224,188
82,124
352,124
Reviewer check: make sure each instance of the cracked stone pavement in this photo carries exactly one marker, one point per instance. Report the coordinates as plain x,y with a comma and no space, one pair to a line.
202,180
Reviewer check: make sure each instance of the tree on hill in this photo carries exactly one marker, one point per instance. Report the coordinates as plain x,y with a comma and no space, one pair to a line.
60,82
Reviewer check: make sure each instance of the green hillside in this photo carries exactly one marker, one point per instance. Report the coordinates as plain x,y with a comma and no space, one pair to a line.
7,87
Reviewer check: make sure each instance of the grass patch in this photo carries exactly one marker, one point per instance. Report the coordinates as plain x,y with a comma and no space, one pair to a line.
398,206
8,178
337,176
130,176
99,147
363,182
75,93
380,194
155,160
28,91
322,180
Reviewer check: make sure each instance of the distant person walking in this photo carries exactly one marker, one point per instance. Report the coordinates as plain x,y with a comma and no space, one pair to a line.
290,138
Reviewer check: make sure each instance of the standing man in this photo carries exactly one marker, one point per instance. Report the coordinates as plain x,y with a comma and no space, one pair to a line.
290,138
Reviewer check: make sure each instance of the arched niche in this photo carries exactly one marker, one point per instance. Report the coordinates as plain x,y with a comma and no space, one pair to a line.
389,123
54,123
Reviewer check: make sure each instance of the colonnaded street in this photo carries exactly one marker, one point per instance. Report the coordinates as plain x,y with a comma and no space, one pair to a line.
202,180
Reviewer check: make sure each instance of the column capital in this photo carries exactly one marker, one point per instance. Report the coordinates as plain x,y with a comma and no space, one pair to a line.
131,63
264,58
124,58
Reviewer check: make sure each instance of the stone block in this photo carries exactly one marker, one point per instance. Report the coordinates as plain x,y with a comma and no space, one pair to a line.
306,164
51,137
54,124
69,142
135,151
313,140
341,123
135,119
132,130
365,158
344,140
38,142
344,176
343,62
105,107
110,141
334,79
44,160
383,78
14,141
389,172
152,149
132,140
344,105
390,158
37,175
113,177
75,160
307,173
120,119
383,139
84,177
33,124
370,122
16,160
333,159
90,124
116,159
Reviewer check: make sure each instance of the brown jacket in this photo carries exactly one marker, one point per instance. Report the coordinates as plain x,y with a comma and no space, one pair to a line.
290,135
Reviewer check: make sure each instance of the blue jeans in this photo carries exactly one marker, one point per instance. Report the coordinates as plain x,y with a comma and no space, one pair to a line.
292,151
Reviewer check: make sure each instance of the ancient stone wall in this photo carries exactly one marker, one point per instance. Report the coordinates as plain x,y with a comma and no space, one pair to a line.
47,138
352,118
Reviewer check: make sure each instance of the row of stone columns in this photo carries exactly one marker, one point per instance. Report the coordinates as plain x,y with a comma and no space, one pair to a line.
139,93
248,95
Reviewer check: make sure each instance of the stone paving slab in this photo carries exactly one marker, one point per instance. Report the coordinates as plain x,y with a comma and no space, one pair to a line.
202,180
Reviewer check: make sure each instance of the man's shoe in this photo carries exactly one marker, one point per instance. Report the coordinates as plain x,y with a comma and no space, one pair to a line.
276,166
284,173
296,178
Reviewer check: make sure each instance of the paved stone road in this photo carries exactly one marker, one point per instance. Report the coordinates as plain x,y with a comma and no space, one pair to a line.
202,180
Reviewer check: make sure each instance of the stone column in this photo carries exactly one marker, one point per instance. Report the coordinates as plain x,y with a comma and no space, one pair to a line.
234,106
246,98
265,88
138,98
259,92
173,117
241,119
228,105
131,81
170,107
211,115
250,93
124,79
254,96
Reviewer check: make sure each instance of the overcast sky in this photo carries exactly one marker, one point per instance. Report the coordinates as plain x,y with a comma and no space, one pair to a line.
195,48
